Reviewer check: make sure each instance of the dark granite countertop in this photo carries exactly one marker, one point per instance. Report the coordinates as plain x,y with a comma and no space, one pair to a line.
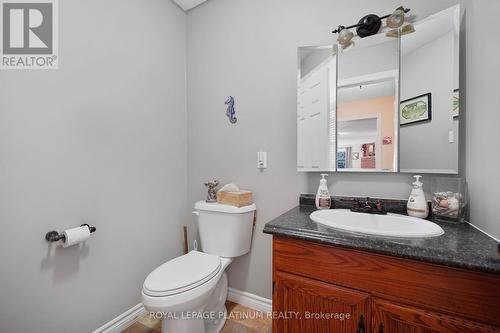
461,246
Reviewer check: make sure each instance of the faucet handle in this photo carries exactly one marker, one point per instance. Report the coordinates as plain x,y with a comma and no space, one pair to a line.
355,203
367,203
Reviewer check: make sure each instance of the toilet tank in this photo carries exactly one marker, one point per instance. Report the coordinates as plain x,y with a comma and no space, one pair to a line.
225,230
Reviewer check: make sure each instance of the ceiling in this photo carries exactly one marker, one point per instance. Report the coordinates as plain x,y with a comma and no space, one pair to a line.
358,130
366,91
188,4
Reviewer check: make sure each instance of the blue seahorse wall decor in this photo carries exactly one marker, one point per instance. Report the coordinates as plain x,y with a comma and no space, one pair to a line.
230,112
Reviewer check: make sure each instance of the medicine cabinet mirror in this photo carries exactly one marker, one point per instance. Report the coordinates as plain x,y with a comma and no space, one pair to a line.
316,104
385,104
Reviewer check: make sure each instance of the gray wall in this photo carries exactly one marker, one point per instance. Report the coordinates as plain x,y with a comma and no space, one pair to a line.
365,59
101,140
248,49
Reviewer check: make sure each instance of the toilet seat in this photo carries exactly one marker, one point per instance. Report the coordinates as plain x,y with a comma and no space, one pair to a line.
181,274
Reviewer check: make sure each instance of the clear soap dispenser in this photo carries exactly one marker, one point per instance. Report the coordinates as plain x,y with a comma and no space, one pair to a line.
323,200
417,205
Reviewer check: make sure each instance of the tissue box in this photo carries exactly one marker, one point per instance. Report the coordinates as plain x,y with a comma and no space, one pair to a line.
238,199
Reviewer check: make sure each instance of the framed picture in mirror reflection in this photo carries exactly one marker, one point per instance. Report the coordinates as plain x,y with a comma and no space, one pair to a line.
415,110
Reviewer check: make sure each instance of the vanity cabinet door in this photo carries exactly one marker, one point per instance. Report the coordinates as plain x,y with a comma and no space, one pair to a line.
305,305
390,317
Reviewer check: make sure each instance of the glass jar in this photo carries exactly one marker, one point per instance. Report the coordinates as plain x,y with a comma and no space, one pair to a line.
449,199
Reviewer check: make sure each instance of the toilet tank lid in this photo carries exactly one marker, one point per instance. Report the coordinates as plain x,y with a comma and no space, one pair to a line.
217,207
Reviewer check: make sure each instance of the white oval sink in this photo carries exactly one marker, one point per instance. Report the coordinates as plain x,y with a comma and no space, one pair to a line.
390,225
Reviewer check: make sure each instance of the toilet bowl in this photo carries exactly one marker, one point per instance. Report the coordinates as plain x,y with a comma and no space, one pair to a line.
189,292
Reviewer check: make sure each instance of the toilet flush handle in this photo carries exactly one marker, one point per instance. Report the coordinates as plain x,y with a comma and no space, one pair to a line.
195,242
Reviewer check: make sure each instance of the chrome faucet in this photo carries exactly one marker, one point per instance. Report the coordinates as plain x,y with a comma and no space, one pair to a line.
369,207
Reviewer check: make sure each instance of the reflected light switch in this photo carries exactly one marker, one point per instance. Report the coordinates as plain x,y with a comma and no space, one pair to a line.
451,136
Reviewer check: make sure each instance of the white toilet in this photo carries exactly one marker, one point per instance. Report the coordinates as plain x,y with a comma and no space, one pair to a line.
189,292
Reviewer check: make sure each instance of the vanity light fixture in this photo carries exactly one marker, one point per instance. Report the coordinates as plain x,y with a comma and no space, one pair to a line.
370,25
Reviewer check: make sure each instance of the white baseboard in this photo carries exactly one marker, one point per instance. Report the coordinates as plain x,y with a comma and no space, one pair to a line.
127,318
250,300
122,321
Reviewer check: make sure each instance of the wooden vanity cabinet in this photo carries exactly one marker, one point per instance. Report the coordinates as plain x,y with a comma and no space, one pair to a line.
303,300
314,284
392,317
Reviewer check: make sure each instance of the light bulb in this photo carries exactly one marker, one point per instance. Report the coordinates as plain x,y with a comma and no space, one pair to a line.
345,37
396,19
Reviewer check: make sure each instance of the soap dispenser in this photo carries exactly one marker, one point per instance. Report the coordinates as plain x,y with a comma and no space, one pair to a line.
417,205
323,200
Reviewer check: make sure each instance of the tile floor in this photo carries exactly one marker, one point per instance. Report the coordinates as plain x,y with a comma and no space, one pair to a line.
240,320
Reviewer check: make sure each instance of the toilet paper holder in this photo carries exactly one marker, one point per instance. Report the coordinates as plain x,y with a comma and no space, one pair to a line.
54,236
